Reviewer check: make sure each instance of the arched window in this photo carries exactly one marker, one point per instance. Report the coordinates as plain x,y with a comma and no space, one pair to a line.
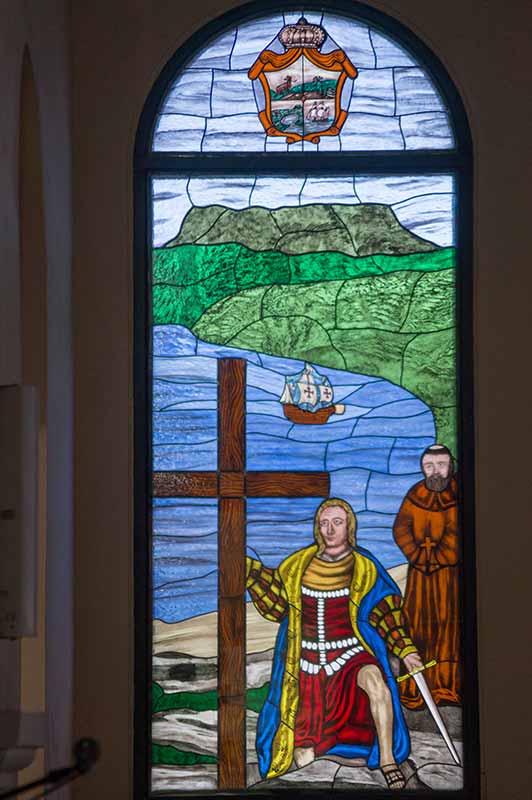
304,412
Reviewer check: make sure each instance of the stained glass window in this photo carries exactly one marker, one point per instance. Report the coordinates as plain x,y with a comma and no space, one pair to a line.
306,449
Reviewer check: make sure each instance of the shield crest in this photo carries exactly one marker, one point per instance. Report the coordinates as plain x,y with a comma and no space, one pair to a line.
302,90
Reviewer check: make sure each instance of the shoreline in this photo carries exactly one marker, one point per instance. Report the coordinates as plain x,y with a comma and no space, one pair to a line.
197,636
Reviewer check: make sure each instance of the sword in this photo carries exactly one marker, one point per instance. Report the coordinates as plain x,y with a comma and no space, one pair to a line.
425,692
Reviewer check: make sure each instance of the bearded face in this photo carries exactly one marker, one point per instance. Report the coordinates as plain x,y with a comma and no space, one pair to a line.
437,471
436,483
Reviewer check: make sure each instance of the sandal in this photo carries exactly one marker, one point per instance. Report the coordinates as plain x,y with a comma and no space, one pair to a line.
394,777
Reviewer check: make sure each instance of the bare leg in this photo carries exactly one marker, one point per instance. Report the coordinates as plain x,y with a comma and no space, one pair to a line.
371,681
303,756
380,702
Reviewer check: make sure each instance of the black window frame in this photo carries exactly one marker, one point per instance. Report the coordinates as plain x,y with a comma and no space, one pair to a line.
147,164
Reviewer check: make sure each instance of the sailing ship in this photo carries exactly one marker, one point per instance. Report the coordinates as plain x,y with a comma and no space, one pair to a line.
308,397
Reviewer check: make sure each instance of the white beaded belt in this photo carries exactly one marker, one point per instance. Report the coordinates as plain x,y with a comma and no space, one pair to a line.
334,645
332,666
323,595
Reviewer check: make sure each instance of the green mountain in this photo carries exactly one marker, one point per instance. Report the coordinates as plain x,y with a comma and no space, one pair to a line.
356,230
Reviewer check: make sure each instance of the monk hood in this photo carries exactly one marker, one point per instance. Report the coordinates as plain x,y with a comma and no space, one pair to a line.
428,500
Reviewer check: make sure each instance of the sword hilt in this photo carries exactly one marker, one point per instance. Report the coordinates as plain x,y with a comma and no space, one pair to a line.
415,671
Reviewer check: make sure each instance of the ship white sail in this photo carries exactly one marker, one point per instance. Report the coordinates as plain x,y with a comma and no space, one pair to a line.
307,389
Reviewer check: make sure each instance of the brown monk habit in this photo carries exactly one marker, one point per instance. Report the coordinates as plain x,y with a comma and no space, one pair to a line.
426,531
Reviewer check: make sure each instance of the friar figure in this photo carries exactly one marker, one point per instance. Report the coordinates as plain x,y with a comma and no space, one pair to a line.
332,689
426,530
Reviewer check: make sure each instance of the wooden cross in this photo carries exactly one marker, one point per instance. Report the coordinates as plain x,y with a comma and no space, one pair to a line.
232,484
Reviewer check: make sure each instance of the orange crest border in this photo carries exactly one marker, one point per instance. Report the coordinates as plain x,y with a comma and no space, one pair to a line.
335,61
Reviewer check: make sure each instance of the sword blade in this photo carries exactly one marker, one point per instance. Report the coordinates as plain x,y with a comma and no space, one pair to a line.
436,716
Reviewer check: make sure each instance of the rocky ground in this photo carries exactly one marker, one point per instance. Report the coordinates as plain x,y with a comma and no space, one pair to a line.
430,764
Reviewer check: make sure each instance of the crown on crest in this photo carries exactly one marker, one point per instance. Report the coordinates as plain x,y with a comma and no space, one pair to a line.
302,34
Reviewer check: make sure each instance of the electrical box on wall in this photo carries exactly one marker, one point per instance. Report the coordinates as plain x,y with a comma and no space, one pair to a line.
19,442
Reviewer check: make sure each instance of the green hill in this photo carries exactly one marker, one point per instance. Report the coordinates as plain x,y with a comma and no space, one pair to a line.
356,230
319,86
399,326
189,279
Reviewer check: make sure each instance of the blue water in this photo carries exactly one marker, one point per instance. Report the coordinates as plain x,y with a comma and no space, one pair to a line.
372,453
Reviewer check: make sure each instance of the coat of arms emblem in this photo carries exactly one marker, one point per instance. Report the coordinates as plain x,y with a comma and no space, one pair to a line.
302,82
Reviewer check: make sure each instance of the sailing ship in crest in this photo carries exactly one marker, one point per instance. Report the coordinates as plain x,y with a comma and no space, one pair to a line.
308,397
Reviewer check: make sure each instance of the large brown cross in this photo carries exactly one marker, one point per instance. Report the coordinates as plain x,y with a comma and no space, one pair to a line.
232,484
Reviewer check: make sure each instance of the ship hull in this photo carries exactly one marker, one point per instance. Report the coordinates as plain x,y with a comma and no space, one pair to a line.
301,417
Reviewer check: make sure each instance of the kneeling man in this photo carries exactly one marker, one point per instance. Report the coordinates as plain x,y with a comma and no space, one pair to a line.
332,690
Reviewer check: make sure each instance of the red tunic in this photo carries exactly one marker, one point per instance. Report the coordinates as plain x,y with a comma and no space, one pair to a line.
332,708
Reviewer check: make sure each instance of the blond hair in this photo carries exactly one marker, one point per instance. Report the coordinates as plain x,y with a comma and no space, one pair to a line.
351,522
